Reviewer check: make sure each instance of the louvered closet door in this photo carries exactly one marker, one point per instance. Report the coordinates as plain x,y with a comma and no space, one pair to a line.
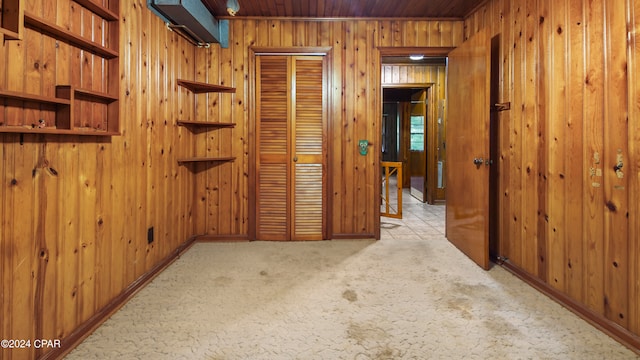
290,146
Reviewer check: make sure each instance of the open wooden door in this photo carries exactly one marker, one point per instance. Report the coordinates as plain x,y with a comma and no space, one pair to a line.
418,144
467,219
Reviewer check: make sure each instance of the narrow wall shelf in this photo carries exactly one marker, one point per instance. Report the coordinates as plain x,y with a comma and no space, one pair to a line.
205,124
205,159
99,10
200,87
59,32
197,87
33,97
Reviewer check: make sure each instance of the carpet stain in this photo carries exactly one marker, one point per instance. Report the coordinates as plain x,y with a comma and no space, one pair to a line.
366,333
222,281
470,289
350,295
461,305
387,353
500,327
264,273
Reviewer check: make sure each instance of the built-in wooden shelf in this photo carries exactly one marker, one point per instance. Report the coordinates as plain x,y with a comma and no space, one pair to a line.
99,10
197,87
205,124
94,96
200,87
33,97
56,131
73,110
205,159
59,32
64,102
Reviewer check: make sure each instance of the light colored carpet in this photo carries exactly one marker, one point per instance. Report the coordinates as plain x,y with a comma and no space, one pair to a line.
411,295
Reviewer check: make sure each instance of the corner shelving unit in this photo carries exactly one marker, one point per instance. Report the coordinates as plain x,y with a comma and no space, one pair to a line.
200,88
65,102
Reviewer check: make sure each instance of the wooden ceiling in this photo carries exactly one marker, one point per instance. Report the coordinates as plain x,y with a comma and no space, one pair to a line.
348,8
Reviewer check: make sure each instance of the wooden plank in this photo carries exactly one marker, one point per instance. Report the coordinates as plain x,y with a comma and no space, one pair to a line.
22,243
86,209
531,141
183,201
634,181
239,146
516,145
553,21
574,173
286,33
616,183
199,87
145,185
335,130
593,220
104,244
163,242
86,69
69,236
224,144
362,181
22,96
348,127
39,24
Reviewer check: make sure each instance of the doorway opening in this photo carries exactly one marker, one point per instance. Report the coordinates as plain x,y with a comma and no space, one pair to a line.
413,123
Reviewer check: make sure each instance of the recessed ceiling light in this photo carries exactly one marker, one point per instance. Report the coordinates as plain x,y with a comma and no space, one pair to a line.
416,57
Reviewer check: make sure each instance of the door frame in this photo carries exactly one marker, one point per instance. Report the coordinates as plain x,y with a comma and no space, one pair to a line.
381,52
252,136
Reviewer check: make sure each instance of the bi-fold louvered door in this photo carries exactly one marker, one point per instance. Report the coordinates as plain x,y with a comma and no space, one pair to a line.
290,129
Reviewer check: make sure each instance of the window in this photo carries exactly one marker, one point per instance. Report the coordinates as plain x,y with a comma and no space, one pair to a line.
417,133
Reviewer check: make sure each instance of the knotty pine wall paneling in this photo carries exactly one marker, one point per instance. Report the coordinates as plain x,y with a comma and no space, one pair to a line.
570,220
75,210
354,71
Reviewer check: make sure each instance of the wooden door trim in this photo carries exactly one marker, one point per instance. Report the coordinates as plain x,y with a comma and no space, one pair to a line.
326,52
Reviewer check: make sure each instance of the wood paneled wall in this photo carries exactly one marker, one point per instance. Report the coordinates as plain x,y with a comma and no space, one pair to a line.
75,210
354,71
568,218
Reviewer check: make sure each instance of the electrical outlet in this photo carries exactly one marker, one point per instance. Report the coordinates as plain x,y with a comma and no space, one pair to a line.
150,235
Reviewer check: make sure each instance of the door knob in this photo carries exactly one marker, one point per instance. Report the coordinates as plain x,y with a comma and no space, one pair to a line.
295,159
478,161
